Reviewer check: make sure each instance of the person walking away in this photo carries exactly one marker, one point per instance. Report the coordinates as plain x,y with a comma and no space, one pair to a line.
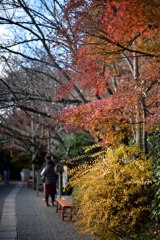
6,170
47,157
50,181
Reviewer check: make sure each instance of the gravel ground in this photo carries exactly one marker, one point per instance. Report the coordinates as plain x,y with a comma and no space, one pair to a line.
34,220
37,222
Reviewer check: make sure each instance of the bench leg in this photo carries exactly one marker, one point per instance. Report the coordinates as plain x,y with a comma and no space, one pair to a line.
30,184
71,215
63,210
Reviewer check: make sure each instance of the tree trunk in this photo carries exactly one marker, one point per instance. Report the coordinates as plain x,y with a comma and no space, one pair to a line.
33,167
138,125
145,147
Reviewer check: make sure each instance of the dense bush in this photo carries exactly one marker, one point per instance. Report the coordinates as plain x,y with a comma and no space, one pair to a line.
154,150
113,199
150,231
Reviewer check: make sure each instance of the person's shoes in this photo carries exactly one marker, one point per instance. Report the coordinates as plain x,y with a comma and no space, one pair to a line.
47,205
52,204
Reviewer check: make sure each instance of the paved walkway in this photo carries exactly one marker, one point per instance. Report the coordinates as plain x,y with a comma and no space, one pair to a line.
8,224
24,216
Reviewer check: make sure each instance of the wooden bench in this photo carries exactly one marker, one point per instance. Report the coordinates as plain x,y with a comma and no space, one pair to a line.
30,183
64,204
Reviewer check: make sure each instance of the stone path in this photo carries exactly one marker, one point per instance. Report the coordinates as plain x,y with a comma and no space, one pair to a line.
8,224
23,216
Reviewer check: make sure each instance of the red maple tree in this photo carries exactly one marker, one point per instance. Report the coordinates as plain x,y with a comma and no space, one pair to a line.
115,55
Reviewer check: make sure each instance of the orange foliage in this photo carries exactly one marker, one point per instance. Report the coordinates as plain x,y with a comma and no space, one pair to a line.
105,31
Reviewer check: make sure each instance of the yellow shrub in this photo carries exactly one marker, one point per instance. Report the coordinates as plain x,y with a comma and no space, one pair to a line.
112,199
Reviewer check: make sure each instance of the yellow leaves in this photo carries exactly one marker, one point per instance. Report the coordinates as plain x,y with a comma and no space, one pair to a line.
92,147
110,193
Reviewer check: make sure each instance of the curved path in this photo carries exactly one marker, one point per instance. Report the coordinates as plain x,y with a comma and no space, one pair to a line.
24,216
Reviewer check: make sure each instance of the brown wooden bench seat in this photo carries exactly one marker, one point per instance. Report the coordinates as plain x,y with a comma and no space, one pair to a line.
30,183
64,204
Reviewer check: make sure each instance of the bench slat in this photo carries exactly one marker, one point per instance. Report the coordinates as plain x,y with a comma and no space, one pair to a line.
64,203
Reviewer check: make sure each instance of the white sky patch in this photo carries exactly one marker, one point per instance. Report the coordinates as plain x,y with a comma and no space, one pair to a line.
4,36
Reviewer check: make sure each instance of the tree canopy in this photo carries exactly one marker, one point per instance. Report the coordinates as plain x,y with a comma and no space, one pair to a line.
118,62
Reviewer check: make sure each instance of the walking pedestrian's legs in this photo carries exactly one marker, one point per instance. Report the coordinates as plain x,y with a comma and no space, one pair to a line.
6,176
46,197
53,198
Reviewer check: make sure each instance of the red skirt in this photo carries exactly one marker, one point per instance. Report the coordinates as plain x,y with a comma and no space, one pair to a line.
50,189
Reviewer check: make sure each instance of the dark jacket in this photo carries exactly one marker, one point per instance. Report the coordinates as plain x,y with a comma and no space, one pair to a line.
6,165
50,177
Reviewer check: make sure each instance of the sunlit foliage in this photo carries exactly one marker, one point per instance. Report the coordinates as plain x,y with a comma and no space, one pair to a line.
112,197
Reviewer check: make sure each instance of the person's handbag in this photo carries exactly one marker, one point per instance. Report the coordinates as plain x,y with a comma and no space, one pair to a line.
43,179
